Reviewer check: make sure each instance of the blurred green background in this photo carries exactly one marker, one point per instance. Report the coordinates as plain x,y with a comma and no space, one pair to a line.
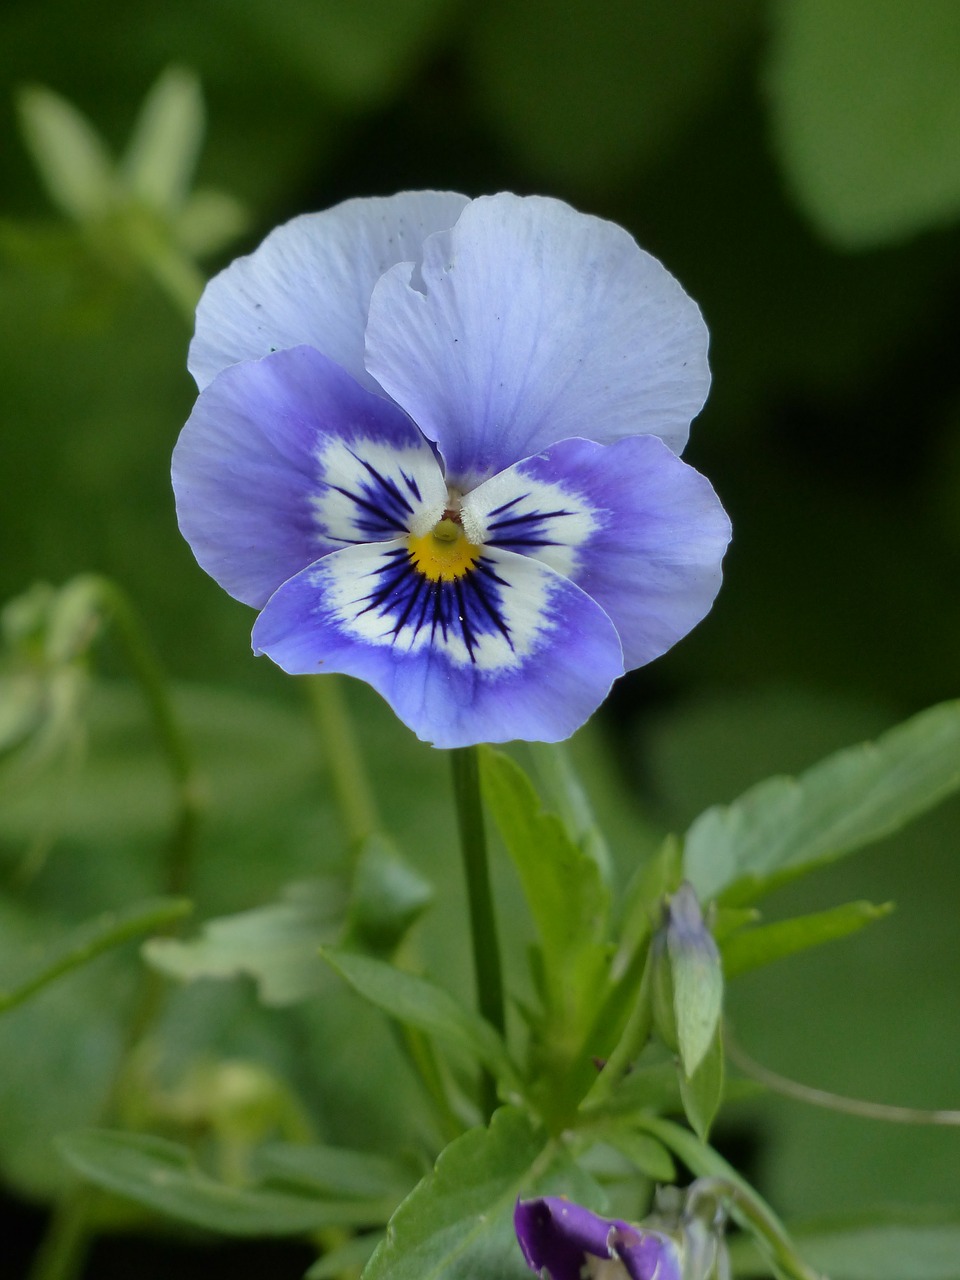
796,164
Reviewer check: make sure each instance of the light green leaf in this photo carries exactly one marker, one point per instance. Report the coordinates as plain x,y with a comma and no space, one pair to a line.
163,150
866,114
418,1003
275,945
333,1171
458,1223
88,940
769,942
646,1153
787,825
702,1092
896,1245
70,155
562,885
697,978
162,1176
208,221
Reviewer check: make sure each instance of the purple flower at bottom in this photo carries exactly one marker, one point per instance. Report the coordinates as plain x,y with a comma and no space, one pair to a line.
436,445
562,1241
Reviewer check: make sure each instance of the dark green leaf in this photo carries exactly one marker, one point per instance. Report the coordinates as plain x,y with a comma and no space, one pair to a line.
345,1258
866,102
88,940
163,1176
754,947
787,825
415,1002
646,1153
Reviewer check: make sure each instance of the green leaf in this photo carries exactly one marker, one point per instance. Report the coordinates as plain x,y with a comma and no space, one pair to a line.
163,1176
866,114
388,897
333,1171
702,1092
562,886
458,1223
788,825
418,1003
646,1153
163,150
70,155
769,942
275,945
88,940
697,978
896,1245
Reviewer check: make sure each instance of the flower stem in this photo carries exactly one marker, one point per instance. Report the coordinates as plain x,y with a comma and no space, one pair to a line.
483,925
342,757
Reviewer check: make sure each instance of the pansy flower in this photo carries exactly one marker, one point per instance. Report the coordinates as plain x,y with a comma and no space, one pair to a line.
436,446
561,1240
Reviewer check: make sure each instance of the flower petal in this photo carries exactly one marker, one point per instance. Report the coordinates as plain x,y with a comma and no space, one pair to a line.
533,323
509,650
310,281
286,459
641,532
564,1241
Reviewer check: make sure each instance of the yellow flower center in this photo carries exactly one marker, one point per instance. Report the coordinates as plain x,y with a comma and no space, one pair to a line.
444,554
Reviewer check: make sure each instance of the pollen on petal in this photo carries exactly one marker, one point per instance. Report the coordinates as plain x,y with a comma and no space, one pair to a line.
445,553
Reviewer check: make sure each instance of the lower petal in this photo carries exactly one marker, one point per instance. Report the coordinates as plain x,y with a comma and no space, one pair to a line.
640,531
511,650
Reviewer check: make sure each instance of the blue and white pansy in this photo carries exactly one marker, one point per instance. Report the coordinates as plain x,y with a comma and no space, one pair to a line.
436,445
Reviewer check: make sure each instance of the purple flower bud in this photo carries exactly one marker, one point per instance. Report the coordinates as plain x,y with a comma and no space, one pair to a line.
563,1241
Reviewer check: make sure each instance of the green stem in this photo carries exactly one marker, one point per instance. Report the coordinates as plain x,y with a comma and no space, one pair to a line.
64,1247
483,925
152,680
341,754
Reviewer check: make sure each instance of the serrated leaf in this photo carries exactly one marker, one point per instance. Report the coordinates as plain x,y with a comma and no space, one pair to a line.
702,1092
458,1223
415,1002
275,945
70,155
163,149
163,1176
788,825
769,942
562,886
83,943
866,113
